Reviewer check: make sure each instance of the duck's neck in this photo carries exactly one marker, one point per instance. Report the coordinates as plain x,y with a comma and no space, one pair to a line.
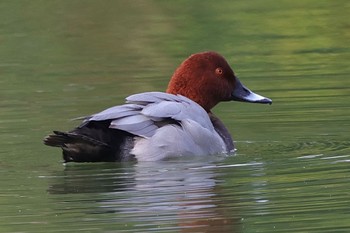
221,129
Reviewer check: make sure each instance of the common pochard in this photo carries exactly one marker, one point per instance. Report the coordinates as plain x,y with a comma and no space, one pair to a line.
154,126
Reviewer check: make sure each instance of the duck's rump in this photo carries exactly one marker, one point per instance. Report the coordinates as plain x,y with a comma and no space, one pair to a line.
93,141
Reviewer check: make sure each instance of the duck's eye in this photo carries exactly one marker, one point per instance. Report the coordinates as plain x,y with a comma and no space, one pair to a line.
219,71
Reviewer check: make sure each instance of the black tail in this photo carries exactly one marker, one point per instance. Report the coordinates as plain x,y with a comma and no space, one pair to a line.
92,143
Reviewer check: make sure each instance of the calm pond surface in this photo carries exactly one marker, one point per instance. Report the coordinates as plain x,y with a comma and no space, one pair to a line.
64,59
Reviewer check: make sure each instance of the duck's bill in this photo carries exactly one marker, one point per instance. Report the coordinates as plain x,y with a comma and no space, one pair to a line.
243,94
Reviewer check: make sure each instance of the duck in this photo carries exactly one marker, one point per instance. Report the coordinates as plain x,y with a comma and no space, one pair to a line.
154,126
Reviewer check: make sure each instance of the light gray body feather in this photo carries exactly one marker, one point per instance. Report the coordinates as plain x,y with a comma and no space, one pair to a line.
146,115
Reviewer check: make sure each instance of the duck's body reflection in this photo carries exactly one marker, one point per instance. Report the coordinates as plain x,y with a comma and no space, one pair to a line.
170,195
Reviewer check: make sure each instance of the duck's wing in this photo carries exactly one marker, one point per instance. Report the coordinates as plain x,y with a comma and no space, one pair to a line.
142,113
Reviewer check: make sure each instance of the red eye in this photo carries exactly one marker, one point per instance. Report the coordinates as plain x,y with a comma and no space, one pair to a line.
218,71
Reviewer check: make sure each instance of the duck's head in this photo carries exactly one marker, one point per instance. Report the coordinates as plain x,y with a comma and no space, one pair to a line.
208,79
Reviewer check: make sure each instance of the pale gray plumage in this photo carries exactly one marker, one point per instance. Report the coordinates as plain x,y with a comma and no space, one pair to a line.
142,111
136,124
116,112
147,115
160,105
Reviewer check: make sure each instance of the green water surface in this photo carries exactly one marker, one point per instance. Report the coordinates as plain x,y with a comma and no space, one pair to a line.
64,59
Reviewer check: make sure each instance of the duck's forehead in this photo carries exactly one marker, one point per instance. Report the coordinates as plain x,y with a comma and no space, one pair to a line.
213,59
207,61
217,60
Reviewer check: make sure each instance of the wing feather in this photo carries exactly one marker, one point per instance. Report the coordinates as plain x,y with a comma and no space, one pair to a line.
116,112
142,113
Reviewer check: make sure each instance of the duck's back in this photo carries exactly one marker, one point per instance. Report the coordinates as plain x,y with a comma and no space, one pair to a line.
150,126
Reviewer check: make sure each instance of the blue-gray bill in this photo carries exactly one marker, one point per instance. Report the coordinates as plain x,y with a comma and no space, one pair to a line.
243,94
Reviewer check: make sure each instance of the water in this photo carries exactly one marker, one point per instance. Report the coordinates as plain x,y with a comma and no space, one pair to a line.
60,60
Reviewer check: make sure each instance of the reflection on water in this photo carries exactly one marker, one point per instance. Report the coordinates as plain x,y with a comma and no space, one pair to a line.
238,194
182,195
